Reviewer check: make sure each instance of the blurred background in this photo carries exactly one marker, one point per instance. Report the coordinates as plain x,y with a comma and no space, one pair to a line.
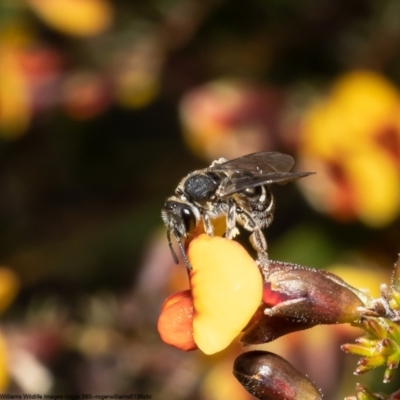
105,105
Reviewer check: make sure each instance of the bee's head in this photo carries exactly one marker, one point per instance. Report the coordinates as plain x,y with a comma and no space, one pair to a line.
180,218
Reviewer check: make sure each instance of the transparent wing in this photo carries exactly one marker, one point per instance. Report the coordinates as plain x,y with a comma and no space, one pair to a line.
254,170
238,184
257,163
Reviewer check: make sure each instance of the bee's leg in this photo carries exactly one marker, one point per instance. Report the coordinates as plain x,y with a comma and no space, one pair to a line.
231,229
253,225
263,264
257,240
207,225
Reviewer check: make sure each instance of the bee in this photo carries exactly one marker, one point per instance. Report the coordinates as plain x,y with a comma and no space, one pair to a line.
238,189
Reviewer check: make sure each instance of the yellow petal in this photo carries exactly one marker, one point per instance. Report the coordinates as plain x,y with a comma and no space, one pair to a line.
75,17
226,288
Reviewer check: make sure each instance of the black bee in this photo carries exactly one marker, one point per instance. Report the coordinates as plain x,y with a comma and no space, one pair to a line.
238,189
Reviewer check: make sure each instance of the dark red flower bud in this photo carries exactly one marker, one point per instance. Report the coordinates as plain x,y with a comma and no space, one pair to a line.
265,328
313,296
297,298
268,376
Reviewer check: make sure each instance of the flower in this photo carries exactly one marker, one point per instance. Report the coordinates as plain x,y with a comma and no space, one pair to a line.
136,70
15,107
75,17
85,94
230,118
352,138
228,296
226,290
9,286
29,74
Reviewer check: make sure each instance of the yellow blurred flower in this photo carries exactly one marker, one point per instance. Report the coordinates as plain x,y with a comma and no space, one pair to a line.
4,375
220,384
366,278
137,89
9,286
29,72
75,17
352,138
15,106
136,71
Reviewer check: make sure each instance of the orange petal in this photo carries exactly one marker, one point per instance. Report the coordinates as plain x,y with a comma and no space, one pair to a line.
226,288
175,324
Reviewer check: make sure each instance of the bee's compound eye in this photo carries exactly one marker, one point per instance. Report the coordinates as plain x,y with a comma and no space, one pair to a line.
253,191
188,218
249,191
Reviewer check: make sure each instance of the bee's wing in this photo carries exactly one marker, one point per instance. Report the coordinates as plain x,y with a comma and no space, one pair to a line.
238,184
256,169
257,163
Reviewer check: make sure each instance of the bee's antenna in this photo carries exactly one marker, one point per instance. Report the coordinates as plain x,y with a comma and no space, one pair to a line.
174,256
181,248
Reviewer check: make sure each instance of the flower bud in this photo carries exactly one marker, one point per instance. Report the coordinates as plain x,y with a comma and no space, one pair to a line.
363,394
378,347
265,328
313,295
268,376
396,283
297,298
